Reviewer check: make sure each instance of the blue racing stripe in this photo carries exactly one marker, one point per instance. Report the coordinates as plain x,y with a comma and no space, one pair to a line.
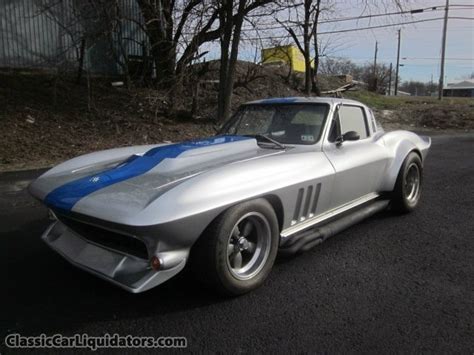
67,195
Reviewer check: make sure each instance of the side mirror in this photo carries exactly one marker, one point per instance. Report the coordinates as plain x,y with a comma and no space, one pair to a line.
351,136
348,136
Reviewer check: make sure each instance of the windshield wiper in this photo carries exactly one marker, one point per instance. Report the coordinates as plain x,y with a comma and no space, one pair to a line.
260,137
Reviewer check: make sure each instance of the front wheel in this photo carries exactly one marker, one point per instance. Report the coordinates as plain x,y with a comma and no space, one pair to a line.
237,251
407,192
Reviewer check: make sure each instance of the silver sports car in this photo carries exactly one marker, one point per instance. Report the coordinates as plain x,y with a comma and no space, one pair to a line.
282,175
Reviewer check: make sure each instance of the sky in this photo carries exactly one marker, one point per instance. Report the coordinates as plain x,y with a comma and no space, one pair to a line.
420,42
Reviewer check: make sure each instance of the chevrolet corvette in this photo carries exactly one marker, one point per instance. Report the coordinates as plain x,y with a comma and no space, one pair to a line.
281,176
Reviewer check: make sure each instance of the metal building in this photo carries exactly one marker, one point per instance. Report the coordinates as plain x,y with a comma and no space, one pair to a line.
49,34
464,88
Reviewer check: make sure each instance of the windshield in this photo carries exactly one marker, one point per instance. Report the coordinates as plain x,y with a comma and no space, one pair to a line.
285,123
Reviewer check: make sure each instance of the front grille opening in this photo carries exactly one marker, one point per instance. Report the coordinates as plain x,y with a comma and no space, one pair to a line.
103,237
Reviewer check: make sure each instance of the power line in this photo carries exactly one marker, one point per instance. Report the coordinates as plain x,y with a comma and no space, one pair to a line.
414,11
342,19
365,28
407,58
413,58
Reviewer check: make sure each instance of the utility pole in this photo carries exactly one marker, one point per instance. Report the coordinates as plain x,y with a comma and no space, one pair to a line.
398,61
431,85
375,67
390,81
443,51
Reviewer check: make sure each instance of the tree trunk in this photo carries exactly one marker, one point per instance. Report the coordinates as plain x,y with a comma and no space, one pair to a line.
229,84
307,48
314,81
226,19
159,24
230,33
164,55
80,67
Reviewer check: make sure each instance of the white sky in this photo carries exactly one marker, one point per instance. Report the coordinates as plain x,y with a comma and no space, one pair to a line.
421,42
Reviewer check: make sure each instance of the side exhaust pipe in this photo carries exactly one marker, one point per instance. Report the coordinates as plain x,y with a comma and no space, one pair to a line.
309,238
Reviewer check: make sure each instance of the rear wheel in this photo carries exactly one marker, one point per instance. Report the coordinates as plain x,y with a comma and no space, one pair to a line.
407,192
237,251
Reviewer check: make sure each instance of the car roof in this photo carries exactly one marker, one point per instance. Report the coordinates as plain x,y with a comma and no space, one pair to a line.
303,100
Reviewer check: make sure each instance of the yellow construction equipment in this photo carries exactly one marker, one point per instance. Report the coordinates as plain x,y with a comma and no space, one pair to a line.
289,55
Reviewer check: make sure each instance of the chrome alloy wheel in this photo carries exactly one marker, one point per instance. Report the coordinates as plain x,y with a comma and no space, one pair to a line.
412,183
248,246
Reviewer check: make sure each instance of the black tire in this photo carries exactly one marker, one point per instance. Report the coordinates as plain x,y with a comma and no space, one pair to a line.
406,195
216,250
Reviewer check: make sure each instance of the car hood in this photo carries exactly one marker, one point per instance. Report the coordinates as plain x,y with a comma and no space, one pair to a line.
126,181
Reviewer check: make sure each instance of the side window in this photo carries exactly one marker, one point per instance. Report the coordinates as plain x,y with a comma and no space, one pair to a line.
352,118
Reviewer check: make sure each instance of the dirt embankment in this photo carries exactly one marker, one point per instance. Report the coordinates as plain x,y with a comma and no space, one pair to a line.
43,124
420,113
44,121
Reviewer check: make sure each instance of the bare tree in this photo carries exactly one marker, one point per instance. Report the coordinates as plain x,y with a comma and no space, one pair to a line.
360,72
69,27
159,26
165,24
314,69
306,22
114,31
231,17
302,25
85,24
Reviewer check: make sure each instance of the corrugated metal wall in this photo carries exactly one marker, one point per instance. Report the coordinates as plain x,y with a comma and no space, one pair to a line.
34,34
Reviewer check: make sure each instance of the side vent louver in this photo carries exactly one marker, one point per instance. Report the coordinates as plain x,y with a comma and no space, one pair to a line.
299,199
315,200
309,194
306,203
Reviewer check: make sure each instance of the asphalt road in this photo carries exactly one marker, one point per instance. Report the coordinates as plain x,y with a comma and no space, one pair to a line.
392,283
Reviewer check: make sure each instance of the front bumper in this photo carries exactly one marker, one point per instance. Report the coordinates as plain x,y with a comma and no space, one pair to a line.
126,271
